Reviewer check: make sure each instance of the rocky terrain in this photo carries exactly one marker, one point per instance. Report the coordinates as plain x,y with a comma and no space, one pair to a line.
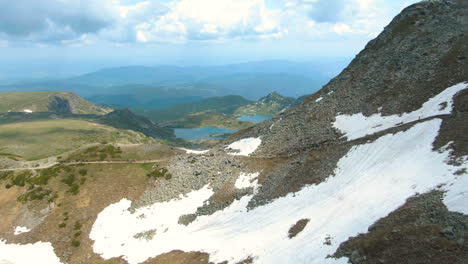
370,169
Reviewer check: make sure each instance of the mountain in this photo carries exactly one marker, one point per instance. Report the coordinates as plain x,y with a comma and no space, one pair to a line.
162,86
221,105
125,119
370,169
60,102
271,104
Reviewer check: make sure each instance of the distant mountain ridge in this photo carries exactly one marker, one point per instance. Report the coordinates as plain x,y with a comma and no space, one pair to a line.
151,87
55,101
271,104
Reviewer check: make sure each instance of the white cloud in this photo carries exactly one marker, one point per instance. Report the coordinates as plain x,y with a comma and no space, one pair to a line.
181,21
212,20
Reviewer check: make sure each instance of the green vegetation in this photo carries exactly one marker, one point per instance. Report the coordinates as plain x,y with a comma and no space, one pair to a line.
54,101
94,153
40,139
159,173
220,105
205,120
11,156
36,193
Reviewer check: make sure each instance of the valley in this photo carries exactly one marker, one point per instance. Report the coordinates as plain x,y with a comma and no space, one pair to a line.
247,163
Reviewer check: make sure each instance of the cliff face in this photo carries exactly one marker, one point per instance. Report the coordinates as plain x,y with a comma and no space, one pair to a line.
419,54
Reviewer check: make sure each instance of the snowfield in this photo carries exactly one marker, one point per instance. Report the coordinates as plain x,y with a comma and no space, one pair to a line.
39,252
245,146
191,151
246,180
20,230
357,125
369,182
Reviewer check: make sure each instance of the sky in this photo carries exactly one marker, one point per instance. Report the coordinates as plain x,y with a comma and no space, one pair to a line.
68,36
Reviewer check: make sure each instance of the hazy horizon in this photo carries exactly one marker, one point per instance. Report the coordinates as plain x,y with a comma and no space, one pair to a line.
53,39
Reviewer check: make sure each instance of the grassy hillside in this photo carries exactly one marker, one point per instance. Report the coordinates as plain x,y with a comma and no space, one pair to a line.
40,139
223,105
53,101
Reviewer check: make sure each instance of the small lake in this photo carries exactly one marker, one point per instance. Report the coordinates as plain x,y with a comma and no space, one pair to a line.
201,133
254,118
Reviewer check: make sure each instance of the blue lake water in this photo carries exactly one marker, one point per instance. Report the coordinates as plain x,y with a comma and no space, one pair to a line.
254,118
200,133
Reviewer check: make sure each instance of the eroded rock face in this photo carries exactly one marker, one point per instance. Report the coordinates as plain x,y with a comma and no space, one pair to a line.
60,105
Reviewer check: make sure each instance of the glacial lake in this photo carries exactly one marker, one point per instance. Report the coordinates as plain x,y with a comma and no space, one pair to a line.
254,118
201,133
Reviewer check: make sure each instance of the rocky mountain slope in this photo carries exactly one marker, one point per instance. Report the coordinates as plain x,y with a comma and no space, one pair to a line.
371,169
59,102
271,104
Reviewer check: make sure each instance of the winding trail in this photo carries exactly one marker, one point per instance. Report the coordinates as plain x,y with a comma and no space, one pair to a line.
85,162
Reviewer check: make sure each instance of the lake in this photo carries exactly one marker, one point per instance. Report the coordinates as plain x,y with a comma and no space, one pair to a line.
201,133
254,118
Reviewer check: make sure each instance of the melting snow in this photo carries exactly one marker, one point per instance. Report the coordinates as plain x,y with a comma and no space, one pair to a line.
245,146
191,151
318,99
27,111
358,125
371,181
39,252
247,180
20,230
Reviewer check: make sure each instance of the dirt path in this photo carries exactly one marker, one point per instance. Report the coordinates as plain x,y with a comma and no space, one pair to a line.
85,162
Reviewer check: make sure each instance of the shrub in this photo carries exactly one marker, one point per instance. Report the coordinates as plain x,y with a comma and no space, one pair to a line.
69,179
74,189
77,226
62,225
83,172
75,243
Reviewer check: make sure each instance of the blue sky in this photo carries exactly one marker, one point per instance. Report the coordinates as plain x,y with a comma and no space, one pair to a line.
185,32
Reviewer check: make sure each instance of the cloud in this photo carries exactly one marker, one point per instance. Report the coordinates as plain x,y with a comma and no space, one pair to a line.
124,22
51,20
211,20
327,10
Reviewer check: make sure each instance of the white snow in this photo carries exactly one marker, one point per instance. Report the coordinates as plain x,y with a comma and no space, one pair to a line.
456,197
20,230
27,111
371,181
245,146
191,151
358,125
318,99
330,92
246,180
39,252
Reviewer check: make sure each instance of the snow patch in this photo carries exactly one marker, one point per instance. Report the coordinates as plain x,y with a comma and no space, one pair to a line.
245,146
456,197
318,99
246,180
357,125
369,182
191,151
39,252
27,111
20,230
